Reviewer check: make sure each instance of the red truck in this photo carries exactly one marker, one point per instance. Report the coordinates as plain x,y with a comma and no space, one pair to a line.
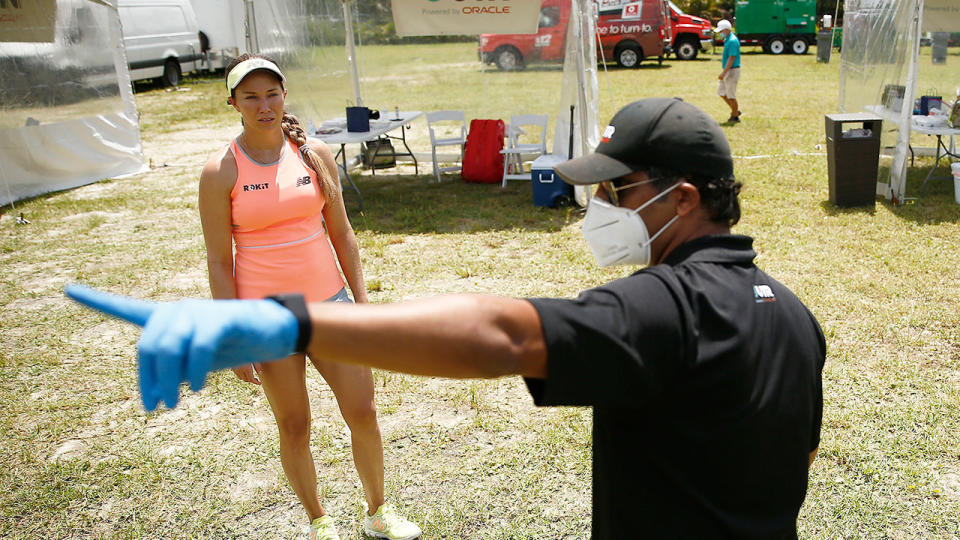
690,34
629,32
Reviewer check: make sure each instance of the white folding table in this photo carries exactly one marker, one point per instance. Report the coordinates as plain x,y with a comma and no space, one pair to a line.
334,131
950,153
919,125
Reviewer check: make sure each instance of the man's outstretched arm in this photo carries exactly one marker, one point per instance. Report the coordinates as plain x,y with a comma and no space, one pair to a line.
453,336
459,336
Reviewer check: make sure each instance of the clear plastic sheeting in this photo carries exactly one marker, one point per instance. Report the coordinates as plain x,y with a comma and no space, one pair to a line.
324,74
67,115
310,46
888,62
580,90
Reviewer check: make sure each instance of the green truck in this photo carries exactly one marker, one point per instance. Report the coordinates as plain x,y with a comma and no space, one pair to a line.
777,25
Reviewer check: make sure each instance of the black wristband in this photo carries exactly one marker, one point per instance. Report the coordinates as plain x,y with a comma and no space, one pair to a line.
298,306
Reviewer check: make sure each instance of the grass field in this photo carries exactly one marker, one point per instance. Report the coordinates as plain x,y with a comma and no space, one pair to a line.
465,459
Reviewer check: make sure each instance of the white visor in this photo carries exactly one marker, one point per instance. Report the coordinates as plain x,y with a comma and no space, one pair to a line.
248,66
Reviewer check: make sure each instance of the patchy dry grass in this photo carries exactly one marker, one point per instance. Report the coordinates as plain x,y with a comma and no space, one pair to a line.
465,459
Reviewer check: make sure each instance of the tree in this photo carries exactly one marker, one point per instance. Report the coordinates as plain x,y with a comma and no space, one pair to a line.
708,9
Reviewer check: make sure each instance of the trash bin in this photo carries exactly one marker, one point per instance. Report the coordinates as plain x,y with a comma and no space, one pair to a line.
824,45
853,156
938,52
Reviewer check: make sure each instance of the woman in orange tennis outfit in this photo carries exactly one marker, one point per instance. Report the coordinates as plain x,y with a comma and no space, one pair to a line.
271,195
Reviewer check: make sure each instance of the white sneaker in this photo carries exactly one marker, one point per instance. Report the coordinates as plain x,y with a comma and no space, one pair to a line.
323,528
387,523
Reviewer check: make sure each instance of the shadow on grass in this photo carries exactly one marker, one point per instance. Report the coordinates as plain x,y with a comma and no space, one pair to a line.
831,209
16,207
648,64
935,206
536,68
188,79
702,57
407,204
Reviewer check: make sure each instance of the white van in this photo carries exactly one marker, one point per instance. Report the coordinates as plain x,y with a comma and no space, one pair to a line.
161,39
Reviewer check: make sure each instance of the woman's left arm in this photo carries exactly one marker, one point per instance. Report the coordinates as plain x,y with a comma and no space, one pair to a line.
339,228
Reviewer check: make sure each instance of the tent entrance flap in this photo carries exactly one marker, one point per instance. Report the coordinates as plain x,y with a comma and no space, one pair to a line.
885,69
67,115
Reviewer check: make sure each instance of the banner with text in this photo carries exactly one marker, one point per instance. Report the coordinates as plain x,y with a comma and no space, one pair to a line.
465,17
27,20
941,16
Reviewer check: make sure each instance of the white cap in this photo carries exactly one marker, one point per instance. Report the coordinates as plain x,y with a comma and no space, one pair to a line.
724,25
248,66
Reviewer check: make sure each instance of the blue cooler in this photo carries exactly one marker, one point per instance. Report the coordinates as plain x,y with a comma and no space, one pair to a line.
548,188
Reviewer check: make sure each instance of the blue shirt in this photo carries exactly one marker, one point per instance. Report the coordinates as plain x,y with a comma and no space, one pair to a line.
731,47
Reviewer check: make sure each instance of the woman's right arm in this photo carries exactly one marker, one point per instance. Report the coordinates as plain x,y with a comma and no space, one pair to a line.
216,183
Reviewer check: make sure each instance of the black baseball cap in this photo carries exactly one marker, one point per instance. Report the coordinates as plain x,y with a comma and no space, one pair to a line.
654,132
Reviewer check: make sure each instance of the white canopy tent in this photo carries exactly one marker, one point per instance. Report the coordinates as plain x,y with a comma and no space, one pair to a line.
67,115
884,69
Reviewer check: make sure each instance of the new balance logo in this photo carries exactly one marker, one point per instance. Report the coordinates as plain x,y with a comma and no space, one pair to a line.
763,293
303,181
256,187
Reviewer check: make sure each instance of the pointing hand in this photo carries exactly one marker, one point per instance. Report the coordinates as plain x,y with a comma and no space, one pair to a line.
183,341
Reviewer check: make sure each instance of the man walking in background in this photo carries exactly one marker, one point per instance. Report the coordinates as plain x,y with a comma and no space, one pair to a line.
731,69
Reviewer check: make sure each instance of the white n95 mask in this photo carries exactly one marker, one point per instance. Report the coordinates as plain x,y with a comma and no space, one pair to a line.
618,236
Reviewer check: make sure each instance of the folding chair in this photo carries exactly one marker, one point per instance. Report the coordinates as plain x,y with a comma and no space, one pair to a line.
516,151
446,134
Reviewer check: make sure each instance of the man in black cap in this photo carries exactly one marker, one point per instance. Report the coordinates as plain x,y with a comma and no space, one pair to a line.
703,371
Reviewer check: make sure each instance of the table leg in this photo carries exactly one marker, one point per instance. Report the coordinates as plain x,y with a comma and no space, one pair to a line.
947,153
376,152
342,154
923,186
403,138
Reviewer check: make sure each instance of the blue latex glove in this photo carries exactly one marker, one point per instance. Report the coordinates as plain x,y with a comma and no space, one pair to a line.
183,341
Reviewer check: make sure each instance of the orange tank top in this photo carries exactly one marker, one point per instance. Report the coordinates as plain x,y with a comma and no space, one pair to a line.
276,210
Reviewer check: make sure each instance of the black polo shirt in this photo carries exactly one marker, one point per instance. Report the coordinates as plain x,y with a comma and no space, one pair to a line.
704,375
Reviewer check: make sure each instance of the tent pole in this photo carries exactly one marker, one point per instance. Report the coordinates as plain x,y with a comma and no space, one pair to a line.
582,105
833,29
352,51
121,66
250,25
898,180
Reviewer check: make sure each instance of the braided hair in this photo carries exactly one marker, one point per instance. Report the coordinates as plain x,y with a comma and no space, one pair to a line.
329,186
294,132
